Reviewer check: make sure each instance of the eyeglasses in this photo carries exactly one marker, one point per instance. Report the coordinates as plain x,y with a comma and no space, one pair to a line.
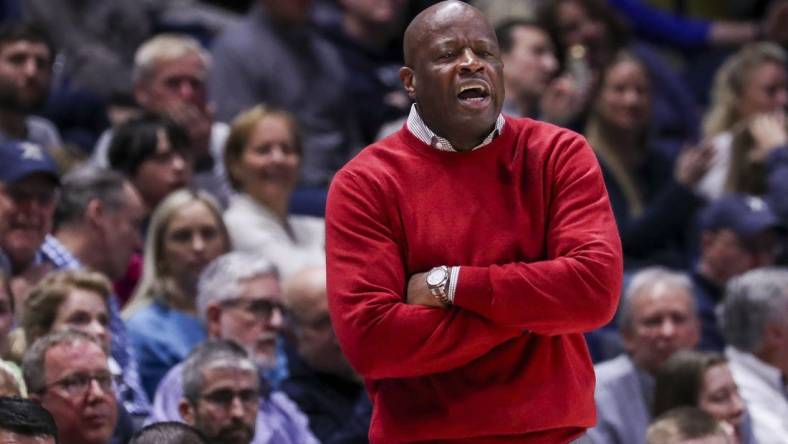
77,385
225,397
260,309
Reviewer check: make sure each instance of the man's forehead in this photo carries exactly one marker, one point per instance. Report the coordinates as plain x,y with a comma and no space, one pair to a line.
266,284
60,358
228,375
24,45
657,296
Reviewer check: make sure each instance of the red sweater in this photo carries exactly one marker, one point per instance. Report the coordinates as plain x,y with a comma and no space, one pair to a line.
528,219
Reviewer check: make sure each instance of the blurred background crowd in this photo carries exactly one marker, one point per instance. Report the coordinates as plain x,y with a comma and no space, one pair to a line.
164,166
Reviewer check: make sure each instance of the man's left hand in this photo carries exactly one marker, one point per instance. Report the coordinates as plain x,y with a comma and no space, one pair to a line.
419,293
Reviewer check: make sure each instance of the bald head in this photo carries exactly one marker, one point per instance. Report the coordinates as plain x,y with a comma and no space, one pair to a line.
432,19
454,72
305,296
305,291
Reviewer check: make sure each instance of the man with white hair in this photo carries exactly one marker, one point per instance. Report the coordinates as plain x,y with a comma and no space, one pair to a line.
754,321
170,75
239,299
656,319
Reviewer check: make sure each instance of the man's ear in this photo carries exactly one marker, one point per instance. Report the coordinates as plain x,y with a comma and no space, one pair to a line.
213,314
94,212
141,94
187,411
406,75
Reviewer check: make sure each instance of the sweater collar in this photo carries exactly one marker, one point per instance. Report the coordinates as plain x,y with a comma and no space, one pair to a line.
418,128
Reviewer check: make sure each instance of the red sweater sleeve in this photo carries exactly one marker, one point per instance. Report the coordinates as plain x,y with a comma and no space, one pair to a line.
381,335
576,287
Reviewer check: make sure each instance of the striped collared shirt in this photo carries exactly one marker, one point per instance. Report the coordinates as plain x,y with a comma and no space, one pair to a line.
422,132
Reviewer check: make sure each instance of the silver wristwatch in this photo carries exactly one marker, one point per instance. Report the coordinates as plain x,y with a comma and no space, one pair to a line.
438,283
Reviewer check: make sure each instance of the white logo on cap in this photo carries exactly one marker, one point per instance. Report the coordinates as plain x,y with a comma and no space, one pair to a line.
31,151
756,204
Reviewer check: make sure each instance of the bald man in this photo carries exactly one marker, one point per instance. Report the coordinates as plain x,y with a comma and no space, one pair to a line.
321,381
468,252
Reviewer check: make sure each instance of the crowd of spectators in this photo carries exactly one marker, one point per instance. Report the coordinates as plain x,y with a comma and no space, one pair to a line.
163,175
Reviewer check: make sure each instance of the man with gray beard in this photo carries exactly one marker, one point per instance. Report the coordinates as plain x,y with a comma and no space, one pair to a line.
239,299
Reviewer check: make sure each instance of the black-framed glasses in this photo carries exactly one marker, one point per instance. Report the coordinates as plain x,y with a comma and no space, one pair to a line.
79,383
225,397
261,309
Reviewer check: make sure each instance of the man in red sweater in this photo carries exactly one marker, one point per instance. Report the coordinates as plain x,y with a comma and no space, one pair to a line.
468,252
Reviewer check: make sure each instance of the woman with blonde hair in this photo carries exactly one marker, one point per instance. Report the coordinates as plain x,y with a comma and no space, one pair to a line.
79,300
186,232
263,156
746,123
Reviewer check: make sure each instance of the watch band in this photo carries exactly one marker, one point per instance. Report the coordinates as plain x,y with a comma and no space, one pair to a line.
440,289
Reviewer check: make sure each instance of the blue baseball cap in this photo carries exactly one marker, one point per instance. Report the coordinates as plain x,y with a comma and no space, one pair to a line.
746,215
19,159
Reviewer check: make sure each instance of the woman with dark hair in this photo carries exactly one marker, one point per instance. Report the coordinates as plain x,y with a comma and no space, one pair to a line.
154,153
589,33
652,198
703,380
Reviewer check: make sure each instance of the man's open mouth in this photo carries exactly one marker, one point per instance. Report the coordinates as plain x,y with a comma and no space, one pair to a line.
474,94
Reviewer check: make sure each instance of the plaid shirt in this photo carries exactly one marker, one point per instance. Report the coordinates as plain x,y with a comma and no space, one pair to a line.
418,128
130,392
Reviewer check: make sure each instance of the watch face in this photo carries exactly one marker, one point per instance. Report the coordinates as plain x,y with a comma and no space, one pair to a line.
436,277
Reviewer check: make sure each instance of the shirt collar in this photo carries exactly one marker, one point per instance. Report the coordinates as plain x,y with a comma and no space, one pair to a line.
418,128
770,374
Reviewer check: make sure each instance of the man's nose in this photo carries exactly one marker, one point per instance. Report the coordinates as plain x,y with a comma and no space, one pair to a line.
237,408
667,328
470,61
30,67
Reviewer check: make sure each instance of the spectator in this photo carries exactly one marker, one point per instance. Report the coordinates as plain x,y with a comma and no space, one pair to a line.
652,200
656,319
263,156
686,425
153,153
684,32
215,375
529,66
31,181
168,433
6,314
239,300
748,87
368,36
185,233
170,75
702,380
68,374
26,57
737,233
100,212
11,382
23,420
754,320
321,380
293,69
589,33
97,40
77,300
